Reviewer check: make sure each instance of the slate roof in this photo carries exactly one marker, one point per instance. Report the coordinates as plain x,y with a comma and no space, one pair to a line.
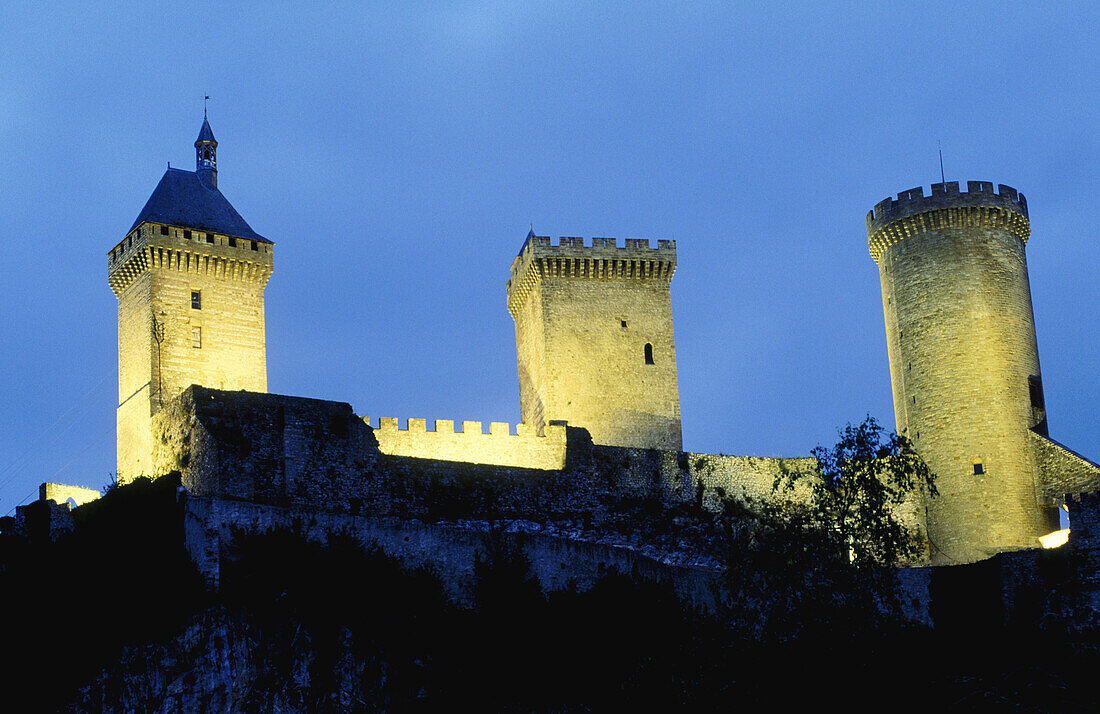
181,199
206,133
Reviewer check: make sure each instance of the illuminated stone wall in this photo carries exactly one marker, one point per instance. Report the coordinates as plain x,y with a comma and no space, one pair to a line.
61,493
219,344
526,448
963,360
584,317
315,453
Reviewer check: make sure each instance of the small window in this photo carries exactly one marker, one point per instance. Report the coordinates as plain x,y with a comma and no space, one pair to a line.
232,242
196,337
648,353
164,230
979,468
913,399
254,246
209,237
622,322
187,235
196,299
1035,387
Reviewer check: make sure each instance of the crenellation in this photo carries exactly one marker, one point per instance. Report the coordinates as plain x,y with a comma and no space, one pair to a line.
979,194
526,448
947,187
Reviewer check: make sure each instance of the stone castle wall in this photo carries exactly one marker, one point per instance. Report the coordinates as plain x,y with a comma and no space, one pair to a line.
525,449
447,549
963,360
594,338
220,343
314,453
61,493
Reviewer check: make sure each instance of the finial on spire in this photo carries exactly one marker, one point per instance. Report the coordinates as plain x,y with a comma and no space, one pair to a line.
204,98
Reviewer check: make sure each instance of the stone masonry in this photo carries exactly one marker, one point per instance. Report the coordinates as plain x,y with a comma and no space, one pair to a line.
964,362
594,338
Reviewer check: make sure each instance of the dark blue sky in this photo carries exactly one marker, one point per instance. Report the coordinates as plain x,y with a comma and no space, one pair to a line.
397,153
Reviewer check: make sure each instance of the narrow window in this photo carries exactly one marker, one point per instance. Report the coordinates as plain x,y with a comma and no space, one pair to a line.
164,230
979,468
232,242
913,399
622,322
187,235
209,237
254,246
196,337
1035,387
196,299
648,353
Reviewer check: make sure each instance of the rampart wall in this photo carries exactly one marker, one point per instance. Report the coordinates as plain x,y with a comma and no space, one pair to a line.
524,449
450,550
314,455
61,493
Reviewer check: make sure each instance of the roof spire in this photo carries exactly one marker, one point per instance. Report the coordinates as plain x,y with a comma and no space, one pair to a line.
204,98
206,154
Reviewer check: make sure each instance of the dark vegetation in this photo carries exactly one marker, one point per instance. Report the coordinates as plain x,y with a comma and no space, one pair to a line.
809,618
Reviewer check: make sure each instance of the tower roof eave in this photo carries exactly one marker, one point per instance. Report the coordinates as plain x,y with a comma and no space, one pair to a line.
181,199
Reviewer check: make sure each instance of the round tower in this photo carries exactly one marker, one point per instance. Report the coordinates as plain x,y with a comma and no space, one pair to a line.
964,362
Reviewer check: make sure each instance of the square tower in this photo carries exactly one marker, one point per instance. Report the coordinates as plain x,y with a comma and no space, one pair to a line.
189,277
594,339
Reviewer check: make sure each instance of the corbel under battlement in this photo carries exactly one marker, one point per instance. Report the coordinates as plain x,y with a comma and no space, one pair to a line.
892,220
945,195
155,247
604,259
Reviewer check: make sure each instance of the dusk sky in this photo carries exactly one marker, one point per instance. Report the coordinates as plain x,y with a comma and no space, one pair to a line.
398,153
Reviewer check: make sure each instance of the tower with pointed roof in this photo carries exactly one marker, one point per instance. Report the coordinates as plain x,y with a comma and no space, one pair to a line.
189,277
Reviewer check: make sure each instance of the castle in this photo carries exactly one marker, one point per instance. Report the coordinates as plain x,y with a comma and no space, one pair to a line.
595,351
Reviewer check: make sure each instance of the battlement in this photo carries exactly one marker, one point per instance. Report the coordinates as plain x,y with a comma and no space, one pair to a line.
944,195
892,220
526,448
61,493
168,247
604,259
